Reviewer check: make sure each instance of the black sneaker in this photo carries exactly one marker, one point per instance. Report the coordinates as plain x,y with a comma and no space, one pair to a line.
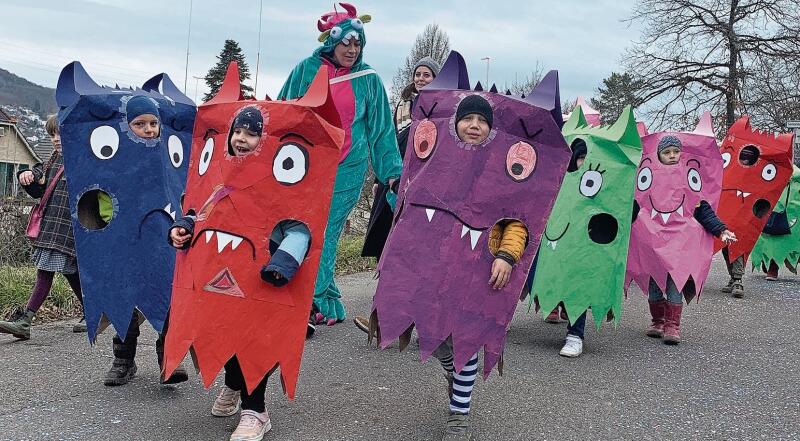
121,372
310,330
179,375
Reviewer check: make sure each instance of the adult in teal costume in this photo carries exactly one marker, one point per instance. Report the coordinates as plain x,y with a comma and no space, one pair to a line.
369,133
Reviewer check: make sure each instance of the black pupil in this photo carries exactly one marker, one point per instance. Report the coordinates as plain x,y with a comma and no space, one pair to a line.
205,156
423,146
288,164
176,157
106,150
694,179
516,169
643,179
590,183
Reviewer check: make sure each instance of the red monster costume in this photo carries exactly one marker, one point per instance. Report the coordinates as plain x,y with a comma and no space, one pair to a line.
220,305
749,192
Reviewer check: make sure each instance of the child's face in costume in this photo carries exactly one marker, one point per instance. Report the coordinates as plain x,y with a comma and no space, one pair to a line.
422,77
669,156
473,128
146,126
579,161
55,138
243,141
346,55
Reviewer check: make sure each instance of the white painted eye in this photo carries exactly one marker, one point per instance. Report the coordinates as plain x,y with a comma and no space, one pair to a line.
105,142
205,156
175,149
290,164
769,172
726,159
645,179
336,32
695,182
591,181
356,24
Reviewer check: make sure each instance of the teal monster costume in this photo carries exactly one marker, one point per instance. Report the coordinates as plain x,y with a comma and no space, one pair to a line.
366,116
584,247
785,248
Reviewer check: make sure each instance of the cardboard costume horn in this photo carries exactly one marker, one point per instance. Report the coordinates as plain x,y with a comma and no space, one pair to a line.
436,265
585,243
782,248
666,239
750,191
124,262
221,307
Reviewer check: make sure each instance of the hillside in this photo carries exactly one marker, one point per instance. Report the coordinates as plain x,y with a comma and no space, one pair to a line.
18,91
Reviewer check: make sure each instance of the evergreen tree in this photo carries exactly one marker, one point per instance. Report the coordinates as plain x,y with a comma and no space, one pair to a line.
617,91
230,52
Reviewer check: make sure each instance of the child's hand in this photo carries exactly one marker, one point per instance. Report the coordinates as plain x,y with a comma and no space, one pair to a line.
727,236
179,236
277,275
26,178
501,273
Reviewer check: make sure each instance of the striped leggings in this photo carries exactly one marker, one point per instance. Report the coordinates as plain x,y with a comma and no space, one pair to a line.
463,381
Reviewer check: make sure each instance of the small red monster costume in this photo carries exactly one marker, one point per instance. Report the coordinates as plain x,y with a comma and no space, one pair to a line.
220,306
749,192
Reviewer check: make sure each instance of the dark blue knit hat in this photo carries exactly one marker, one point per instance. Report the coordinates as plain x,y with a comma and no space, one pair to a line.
669,141
141,105
249,118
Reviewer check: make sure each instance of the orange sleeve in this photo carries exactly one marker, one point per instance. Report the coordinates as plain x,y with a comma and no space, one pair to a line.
514,239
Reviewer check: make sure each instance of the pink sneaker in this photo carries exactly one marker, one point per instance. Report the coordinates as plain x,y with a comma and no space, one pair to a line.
252,426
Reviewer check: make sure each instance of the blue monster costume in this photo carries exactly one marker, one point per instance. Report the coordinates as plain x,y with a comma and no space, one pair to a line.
124,261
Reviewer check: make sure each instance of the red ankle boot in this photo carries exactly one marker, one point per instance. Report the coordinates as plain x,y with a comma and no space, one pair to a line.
656,329
672,323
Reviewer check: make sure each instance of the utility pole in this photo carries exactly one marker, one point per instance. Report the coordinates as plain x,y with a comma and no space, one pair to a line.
487,59
795,126
188,39
258,54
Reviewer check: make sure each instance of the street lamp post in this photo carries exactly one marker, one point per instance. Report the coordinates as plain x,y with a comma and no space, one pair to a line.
487,59
795,126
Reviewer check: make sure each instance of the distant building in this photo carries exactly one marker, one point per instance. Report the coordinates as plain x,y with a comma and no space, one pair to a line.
15,154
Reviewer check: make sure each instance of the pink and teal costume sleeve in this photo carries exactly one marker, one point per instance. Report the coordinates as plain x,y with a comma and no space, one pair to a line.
363,106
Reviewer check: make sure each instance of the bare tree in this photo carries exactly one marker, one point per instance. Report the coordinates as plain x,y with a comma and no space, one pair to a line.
524,86
432,42
715,55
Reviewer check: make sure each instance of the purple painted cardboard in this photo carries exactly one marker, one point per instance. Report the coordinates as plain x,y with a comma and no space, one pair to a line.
666,239
435,268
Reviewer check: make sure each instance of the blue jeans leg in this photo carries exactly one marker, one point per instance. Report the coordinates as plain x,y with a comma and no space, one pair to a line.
578,327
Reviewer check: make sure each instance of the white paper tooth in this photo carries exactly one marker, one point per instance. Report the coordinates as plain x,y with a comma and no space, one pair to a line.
464,231
791,224
474,235
429,212
552,244
168,208
746,194
664,217
653,214
236,242
680,210
223,239
209,235
738,193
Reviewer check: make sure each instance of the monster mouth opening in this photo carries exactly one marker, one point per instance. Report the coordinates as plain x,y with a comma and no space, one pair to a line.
89,215
224,239
665,215
224,283
553,242
761,208
603,228
167,211
474,232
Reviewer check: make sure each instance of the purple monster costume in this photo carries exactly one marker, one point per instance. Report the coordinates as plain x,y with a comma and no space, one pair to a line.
436,265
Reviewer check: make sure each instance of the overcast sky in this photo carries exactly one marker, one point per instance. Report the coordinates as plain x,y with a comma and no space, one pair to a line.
128,41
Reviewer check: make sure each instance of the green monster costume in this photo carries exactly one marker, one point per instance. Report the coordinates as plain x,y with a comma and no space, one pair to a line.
584,247
364,108
782,248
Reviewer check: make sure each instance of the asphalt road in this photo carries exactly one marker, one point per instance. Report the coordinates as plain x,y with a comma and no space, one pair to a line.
735,376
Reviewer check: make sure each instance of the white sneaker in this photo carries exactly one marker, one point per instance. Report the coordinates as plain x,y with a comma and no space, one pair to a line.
227,402
573,347
252,426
